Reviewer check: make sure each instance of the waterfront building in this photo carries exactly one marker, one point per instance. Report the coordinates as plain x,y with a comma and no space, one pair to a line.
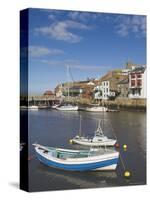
132,66
88,91
48,93
90,83
135,85
125,72
106,89
82,89
98,92
123,88
109,84
59,91
76,91
137,82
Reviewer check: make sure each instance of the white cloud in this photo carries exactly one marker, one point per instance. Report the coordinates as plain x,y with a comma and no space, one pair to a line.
62,30
69,62
123,24
52,17
53,62
90,67
75,64
83,16
38,51
131,24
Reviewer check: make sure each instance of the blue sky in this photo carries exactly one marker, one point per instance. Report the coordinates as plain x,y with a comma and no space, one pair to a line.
90,43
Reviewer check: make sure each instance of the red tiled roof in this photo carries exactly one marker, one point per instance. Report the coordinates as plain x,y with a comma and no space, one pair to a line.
48,92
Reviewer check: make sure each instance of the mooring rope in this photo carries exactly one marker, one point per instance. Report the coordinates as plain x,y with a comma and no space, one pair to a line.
121,159
122,162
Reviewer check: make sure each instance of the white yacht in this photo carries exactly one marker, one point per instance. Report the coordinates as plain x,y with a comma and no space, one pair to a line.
96,109
67,106
33,107
99,138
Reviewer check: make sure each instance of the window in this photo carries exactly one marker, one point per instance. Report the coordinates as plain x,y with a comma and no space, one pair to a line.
132,76
139,75
139,83
132,83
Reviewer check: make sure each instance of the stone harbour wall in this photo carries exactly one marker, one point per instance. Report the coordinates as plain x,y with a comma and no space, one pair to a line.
126,104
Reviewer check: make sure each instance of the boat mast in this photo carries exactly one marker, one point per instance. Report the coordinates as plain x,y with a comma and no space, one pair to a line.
68,81
99,129
103,127
103,117
80,127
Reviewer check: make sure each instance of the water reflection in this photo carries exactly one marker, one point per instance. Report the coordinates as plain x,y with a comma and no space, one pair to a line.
55,128
80,179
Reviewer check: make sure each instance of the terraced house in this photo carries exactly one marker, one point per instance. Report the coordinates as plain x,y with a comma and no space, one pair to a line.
137,82
82,89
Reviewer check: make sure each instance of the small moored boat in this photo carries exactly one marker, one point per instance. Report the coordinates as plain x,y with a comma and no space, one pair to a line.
67,107
96,109
77,160
99,138
32,107
42,106
54,106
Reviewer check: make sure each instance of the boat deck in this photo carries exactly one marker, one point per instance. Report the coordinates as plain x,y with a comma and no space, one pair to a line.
63,154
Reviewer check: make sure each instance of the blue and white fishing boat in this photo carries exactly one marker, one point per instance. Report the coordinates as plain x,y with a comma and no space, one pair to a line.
77,160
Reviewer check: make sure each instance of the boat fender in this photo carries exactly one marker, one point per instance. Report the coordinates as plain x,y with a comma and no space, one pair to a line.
70,141
117,145
124,146
127,174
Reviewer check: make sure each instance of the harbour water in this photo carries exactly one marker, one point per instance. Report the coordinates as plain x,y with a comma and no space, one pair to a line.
55,128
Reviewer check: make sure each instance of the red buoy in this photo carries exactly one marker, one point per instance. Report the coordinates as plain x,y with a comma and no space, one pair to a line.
117,145
30,158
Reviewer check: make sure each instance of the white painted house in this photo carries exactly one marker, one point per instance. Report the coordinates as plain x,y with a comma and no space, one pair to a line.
105,89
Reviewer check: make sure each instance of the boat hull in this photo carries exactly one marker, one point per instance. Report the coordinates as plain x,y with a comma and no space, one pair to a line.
107,168
104,162
32,107
89,143
55,106
96,109
67,108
